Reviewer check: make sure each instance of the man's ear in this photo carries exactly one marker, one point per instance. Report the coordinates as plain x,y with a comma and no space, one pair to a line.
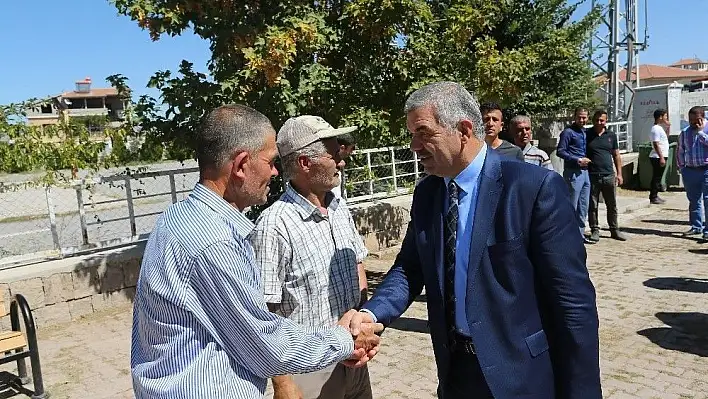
304,162
467,129
240,164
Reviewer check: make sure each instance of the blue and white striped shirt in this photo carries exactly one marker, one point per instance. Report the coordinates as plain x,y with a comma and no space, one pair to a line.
201,328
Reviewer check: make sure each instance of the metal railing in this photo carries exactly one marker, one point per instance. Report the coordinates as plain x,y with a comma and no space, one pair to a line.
381,173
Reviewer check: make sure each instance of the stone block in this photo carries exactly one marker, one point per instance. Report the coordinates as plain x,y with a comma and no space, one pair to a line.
32,289
80,307
123,297
111,277
58,287
131,271
100,302
52,314
371,242
85,282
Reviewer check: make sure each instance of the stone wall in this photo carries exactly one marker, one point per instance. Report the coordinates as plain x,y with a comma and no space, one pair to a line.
64,290
382,224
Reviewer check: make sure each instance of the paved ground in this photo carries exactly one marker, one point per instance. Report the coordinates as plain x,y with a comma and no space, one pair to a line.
652,299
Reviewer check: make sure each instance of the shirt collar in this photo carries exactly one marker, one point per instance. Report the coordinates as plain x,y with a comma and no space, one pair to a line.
223,208
304,206
467,179
527,148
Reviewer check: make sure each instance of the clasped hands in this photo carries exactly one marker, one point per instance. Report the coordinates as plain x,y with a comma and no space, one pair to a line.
363,330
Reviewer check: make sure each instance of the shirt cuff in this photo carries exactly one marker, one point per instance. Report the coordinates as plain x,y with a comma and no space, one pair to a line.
346,341
370,313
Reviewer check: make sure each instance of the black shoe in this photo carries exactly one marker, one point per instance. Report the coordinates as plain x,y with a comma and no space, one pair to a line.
594,236
617,235
588,241
657,201
705,237
692,232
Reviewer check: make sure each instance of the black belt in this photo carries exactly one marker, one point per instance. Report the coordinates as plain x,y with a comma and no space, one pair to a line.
460,343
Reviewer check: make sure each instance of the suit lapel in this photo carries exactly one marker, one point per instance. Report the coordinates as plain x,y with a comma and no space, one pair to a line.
490,186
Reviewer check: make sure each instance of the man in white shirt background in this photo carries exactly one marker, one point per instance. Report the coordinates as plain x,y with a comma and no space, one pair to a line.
347,145
659,153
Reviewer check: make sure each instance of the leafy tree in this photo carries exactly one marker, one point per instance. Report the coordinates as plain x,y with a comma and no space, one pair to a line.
355,61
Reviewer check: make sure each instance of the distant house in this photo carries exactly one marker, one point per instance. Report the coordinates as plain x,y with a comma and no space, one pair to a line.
694,64
650,75
82,101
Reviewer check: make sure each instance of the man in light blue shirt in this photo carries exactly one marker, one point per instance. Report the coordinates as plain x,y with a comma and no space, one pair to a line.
201,327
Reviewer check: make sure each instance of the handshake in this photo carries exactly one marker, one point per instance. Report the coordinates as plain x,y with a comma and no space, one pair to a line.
364,332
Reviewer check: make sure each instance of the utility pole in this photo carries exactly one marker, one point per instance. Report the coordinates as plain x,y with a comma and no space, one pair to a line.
614,48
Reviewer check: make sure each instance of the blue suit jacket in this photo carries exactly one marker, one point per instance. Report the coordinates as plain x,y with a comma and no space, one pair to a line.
530,305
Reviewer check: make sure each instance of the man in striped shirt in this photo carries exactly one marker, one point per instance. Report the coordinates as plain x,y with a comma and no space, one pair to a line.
520,130
692,160
310,253
201,327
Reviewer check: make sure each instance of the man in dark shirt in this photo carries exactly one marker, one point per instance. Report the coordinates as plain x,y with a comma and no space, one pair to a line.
493,122
571,148
603,151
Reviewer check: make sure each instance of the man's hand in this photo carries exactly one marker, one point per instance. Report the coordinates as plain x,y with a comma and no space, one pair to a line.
619,180
364,330
284,387
662,161
583,161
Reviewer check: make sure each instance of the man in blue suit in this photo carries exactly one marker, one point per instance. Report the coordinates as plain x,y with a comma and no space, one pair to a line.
510,303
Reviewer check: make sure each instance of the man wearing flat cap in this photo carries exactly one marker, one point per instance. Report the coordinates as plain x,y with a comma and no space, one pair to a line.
310,252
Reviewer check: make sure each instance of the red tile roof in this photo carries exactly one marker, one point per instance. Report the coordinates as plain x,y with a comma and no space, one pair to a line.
93,93
649,71
687,61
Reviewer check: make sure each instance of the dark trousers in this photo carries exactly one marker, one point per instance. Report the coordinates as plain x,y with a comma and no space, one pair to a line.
465,379
657,171
607,186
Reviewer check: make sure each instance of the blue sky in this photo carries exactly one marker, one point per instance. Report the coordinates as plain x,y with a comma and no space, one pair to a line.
47,45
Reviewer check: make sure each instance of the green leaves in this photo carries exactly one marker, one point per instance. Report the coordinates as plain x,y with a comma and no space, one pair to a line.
341,60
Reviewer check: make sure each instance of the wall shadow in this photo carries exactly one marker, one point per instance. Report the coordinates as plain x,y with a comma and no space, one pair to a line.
685,284
686,332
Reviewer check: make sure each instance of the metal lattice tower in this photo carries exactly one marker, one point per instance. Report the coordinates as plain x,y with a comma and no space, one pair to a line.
615,47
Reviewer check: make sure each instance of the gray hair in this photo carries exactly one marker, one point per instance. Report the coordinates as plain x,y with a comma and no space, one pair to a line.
520,119
289,162
451,102
228,129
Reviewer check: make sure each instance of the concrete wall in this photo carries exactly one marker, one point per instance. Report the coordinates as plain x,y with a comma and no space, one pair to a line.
64,290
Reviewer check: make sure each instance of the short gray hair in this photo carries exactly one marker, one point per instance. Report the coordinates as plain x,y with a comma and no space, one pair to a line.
451,102
228,129
289,162
520,119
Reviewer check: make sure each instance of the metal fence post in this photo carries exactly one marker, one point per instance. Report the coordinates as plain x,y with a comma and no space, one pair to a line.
131,211
393,170
52,217
415,166
82,213
370,174
173,188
